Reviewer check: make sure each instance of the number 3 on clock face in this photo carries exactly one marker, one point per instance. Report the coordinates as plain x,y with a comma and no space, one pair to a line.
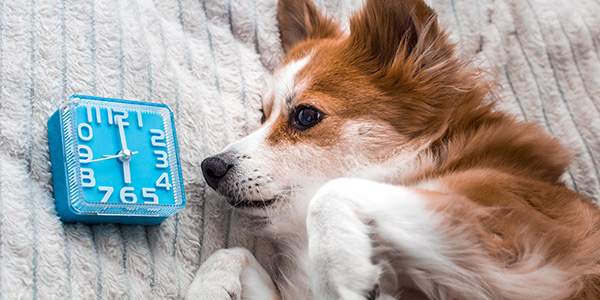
121,160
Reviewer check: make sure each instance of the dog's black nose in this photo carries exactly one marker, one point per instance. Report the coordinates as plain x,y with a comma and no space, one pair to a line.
214,168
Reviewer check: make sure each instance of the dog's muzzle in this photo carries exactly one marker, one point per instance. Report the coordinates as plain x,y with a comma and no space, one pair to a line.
220,173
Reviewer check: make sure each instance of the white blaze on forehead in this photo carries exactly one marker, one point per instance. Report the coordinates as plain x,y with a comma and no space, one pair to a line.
285,84
283,87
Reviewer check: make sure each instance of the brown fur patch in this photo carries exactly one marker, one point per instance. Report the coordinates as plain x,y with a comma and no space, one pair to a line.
300,20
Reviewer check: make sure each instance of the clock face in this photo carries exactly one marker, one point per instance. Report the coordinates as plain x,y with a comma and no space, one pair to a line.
121,157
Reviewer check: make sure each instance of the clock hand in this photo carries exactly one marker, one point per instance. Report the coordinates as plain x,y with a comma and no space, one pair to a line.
126,171
126,152
112,156
122,132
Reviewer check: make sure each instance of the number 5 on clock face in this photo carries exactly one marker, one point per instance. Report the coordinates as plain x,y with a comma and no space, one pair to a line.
123,156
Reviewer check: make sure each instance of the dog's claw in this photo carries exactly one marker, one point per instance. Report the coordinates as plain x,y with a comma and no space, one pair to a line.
374,293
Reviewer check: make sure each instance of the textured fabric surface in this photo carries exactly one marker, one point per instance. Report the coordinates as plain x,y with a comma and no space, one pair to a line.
205,59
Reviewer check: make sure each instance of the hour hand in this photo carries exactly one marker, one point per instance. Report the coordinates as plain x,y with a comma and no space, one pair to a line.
126,171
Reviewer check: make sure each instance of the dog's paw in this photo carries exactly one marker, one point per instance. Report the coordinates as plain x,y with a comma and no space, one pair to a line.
340,247
219,276
232,274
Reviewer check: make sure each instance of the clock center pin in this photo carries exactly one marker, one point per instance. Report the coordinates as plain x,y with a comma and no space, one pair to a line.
126,154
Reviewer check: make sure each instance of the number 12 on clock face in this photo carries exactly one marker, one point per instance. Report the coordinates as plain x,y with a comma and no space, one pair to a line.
121,158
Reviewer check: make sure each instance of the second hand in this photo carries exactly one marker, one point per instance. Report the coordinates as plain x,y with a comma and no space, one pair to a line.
111,157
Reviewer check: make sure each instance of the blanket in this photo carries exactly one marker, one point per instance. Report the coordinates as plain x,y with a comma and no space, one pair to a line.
206,60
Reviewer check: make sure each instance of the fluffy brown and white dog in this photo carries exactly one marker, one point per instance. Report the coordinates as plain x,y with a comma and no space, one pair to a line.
381,171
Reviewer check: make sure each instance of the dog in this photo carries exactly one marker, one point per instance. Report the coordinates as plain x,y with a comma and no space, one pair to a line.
382,172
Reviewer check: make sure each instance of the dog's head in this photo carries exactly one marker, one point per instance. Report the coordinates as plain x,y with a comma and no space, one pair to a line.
343,99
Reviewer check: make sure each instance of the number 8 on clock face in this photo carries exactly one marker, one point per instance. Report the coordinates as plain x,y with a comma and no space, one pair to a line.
115,161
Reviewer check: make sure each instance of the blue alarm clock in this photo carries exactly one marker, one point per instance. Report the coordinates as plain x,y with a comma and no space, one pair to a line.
114,161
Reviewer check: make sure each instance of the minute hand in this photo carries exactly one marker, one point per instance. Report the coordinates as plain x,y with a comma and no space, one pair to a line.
125,151
122,132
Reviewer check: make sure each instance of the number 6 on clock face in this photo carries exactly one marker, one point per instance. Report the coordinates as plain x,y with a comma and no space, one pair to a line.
120,161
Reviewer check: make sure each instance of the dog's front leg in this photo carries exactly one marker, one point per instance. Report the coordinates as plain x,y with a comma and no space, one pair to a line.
339,247
232,274
342,219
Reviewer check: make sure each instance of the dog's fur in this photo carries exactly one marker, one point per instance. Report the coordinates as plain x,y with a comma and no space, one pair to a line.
410,186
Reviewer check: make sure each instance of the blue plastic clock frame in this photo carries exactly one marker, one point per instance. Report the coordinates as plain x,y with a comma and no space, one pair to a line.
67,192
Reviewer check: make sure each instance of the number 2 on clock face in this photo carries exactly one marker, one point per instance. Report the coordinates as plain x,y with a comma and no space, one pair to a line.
123,156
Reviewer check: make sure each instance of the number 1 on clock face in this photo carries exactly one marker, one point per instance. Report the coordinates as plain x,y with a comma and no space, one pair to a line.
123,156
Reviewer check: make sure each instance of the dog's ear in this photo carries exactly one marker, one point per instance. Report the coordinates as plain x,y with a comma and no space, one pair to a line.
300,20
385,31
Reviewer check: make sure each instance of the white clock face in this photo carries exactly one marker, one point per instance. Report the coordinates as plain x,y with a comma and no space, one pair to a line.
125,153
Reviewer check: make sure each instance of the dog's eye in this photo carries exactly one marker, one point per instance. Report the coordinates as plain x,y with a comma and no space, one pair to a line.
263,118
305,117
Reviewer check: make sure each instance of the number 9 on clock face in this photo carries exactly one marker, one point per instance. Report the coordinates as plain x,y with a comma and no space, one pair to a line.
115,161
